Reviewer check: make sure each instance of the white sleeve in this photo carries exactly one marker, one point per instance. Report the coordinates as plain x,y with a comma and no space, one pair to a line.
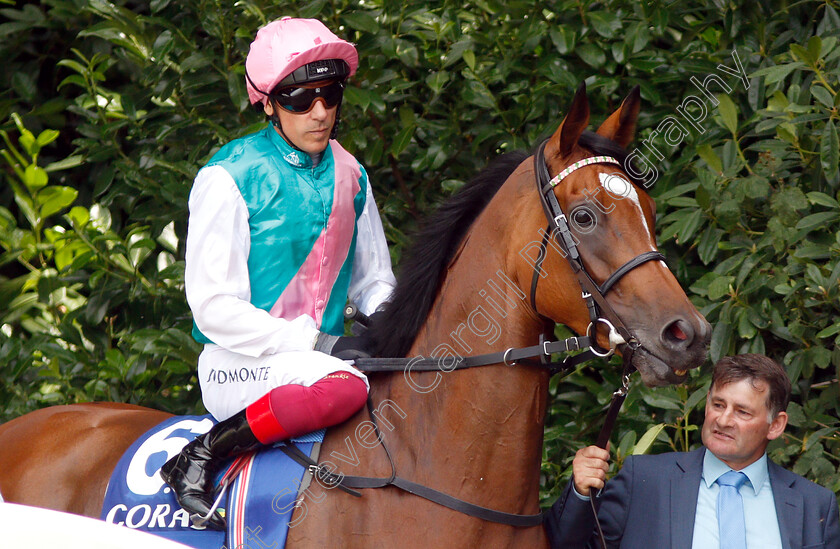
372,280
217,283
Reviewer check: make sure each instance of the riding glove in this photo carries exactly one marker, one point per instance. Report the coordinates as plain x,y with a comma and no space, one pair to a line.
343,347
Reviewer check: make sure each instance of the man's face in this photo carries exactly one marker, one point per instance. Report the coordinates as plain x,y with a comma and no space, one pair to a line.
736,429
310,131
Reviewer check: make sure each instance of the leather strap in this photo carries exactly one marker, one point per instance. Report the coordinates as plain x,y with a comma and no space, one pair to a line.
348,483
629,266
508,357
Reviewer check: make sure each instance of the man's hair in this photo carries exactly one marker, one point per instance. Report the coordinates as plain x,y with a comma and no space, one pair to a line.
755,367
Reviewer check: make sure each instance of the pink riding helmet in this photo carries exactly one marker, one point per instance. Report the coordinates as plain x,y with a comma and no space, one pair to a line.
287,44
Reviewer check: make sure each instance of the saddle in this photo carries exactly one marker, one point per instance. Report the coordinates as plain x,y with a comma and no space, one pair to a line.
257,492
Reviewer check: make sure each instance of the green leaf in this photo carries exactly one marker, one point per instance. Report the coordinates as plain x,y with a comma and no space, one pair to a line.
79,216
357,96
46,137
830,331
25,86
830,152
563,38
830,22
477,94
591,54
605,23
721,341
457,51
35,177
728,113
55,199
820,356
777,73
660,400
802,53
821,219
690,225
710,157
407,53
728,213
814,48
707,249
644,444
756,186
437,80
361,21
822,199
402,140
823,96
469,59
746,330
158,5
720,287
696,398
65,164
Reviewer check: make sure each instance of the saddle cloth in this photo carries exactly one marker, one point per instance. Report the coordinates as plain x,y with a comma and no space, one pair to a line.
258,504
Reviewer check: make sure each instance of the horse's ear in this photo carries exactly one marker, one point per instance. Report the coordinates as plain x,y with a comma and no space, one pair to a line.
566,136
621,125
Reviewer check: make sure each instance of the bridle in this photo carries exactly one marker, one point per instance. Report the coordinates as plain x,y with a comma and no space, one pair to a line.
600,312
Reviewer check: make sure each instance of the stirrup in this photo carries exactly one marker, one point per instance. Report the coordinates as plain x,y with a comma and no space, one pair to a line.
199,521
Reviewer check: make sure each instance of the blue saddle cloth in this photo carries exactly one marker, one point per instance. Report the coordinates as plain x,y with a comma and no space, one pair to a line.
258,504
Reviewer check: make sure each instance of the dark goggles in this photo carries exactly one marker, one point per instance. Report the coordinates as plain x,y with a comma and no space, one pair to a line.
302,100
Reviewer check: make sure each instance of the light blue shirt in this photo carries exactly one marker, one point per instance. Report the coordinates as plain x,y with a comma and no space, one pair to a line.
760,518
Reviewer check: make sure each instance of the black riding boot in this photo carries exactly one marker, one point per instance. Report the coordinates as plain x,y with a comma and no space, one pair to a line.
192,472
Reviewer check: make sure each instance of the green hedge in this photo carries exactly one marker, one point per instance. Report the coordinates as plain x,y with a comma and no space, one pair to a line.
110,108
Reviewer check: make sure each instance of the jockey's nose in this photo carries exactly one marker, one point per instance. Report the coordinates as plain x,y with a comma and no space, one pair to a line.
319,109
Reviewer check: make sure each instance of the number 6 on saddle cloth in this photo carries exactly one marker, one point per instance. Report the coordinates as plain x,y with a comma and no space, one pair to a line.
258,502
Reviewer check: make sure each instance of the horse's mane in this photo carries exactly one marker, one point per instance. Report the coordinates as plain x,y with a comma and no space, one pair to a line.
421,271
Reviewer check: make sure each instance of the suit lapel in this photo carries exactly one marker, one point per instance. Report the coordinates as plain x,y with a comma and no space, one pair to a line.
790,507
685,484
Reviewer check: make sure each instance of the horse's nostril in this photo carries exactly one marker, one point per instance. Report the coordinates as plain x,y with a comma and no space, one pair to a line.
678,333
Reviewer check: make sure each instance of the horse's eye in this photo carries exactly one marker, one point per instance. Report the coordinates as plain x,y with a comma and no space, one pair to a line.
583,219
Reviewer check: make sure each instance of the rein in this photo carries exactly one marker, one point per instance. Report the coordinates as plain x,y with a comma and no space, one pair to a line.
600,312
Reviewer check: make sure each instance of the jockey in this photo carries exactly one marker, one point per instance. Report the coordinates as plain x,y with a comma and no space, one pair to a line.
282,230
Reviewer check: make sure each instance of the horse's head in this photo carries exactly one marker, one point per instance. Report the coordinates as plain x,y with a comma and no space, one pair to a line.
611,223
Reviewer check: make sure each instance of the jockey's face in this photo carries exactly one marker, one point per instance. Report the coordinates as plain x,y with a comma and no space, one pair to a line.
309,131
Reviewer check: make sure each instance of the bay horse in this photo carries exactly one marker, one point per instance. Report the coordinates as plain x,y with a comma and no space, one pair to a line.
474,434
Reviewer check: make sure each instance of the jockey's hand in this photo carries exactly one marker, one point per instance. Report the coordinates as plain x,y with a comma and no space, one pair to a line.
343,347
590,469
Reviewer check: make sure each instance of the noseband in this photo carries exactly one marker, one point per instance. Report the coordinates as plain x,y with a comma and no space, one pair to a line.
593,294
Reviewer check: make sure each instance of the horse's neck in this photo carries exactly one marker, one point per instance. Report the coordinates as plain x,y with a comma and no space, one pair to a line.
479,429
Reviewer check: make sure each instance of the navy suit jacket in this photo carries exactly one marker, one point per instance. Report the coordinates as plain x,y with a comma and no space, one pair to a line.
652,501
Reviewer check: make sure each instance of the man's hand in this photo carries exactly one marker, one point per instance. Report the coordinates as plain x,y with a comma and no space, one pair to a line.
343,347
590,469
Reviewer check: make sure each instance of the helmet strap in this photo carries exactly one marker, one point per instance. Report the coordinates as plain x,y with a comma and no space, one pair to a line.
334,132
275,121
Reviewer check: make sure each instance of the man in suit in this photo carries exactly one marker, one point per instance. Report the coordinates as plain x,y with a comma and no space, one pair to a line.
670,501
